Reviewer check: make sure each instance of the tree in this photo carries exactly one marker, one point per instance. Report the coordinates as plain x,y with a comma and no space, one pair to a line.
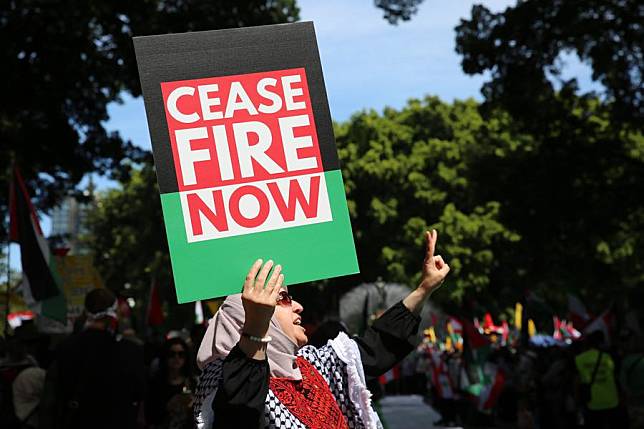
397,10
406,171
571,189
129,242
62,67
522,46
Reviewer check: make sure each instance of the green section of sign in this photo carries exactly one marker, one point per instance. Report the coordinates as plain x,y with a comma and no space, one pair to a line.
215,268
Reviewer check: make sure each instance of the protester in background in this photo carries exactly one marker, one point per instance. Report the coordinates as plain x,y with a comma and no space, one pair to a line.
258,372
169,397
326,331
556,379
631,377
598,390
15,361
197,332
95,381
27,391
507,402
526,387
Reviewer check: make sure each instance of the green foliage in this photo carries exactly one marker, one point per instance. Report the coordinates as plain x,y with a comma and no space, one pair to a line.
407,171
572,185
514,211
539,188
128,237
521,48
130,246
62,66
398,10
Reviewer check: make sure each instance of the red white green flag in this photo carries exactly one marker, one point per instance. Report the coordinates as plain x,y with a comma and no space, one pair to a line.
40,283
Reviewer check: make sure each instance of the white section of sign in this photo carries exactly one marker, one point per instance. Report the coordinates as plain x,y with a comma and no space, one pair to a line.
249,206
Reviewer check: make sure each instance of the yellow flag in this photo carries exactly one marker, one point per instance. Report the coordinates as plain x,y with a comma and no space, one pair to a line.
432,335
518,315
532,329
448,344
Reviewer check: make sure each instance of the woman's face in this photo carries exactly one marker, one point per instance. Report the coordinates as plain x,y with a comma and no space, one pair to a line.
288,316
176,356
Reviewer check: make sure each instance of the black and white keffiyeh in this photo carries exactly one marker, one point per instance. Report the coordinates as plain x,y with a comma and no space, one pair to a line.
339,364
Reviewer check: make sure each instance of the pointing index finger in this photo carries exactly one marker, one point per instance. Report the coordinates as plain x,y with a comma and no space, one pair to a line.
431,243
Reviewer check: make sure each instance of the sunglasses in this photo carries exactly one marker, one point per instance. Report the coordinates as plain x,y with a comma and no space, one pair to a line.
176,354
284,298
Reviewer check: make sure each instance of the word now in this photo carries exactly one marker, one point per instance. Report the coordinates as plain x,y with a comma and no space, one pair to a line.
256,207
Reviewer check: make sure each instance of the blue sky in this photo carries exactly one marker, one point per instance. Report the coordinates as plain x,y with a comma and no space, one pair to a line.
367,63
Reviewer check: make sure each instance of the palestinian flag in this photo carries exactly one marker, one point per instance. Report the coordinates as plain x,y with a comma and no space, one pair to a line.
34,250
559,328
604,323
154,316
440,378
494,380
475,340
505,333
392,375
477,347
245,156
41,283
454,326
577,312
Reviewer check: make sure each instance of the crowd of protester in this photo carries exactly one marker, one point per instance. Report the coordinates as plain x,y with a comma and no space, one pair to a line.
473,378
105,376
101,376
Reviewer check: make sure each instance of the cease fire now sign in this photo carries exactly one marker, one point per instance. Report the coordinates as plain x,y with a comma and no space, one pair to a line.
245,156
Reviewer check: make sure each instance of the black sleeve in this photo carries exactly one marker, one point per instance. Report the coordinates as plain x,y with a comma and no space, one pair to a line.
49,407
240,399
391,337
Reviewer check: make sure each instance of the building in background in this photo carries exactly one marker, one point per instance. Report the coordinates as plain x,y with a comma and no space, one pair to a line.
69,221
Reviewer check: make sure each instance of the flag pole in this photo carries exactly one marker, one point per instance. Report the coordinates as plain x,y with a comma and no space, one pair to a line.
7,294
8,291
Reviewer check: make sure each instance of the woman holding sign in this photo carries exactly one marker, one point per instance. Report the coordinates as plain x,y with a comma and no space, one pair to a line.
258,371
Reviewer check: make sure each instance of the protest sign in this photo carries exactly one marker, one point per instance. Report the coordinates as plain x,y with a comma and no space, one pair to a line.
245,156
79,277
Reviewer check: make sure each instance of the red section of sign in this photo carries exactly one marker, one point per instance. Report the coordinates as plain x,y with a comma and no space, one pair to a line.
233,129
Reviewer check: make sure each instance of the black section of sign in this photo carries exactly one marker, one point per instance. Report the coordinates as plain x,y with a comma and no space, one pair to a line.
204,54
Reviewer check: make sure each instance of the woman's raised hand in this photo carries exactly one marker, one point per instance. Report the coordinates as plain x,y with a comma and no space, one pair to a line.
434,268
259,296
434,272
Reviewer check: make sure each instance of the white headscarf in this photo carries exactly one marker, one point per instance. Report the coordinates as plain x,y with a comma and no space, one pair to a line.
27,390
223,334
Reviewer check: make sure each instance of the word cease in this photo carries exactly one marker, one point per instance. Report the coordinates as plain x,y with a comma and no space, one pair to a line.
246,154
